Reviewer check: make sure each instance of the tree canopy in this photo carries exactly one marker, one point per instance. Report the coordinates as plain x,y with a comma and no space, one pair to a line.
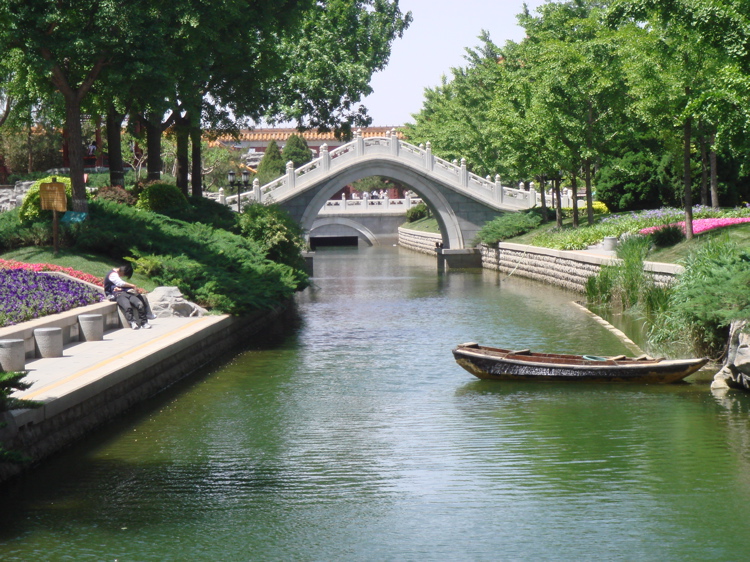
192,65
645,98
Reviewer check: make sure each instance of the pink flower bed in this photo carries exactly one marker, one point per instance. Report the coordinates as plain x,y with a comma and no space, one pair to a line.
699,225
37,267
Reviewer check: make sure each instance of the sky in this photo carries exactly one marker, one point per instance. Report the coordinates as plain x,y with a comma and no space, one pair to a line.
434,43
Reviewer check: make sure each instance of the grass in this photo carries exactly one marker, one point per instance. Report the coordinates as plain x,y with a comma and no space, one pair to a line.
738,234
93,264
428,224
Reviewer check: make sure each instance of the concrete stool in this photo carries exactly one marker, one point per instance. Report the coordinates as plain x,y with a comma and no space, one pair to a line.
48,342
12,355
92,327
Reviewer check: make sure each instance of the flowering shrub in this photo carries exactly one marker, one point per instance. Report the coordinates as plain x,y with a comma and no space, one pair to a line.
25,295
631,223
700,225
38,267
31,208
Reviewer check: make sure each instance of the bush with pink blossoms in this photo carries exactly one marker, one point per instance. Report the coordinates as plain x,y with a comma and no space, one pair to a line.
700,225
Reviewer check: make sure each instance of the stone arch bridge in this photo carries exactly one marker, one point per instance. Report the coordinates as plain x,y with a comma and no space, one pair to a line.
461,201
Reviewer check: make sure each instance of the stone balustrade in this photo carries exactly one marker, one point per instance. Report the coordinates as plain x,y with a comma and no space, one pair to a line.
369,206
454,174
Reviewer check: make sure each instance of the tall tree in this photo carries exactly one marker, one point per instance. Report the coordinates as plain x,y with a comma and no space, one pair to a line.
68,45
271,165
296,151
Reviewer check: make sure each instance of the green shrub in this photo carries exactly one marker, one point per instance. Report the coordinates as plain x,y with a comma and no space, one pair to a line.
212,267
668,235
624,285
9,383
419,211
207,211
115,193
708,296
508,226
276,232
31,209
16,234
160,196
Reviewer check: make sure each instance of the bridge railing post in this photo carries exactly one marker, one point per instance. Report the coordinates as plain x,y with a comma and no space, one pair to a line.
359,143
222,197
290,177
464,173
256,190
429,161
394,143
499,194
325,158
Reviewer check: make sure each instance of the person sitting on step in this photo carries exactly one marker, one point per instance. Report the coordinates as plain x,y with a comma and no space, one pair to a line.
127,297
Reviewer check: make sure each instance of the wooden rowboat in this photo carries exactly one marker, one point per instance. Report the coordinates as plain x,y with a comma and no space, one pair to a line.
505,364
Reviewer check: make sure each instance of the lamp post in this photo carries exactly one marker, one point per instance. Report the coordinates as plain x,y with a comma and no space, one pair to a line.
244,182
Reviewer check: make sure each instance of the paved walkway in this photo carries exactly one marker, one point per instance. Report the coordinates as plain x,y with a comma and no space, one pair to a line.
84,363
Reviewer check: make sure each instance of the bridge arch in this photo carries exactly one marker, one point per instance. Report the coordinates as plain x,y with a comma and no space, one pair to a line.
363,233
428,191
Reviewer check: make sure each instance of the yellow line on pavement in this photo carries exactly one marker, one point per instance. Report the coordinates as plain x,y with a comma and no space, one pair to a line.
35,393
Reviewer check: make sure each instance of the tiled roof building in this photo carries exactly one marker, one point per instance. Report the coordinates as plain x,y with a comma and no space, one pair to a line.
256,140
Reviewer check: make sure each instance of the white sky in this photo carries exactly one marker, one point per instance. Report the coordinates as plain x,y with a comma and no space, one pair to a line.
434,42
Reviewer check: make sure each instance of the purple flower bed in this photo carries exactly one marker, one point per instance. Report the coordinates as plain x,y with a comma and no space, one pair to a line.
25,295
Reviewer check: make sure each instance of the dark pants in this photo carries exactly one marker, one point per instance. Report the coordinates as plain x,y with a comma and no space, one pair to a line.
128,302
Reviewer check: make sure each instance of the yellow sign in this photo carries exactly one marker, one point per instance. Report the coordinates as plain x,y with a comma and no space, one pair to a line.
53,196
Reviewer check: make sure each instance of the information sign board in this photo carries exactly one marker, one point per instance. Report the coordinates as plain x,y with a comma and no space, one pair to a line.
53,197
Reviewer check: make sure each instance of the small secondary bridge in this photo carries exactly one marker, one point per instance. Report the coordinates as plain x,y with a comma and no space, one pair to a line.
460,200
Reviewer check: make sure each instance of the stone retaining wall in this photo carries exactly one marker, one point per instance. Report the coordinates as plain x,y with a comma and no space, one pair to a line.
566,269
422,242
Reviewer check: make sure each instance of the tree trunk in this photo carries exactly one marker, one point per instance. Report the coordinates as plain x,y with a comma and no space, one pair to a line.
589,196
196,179
182,136
75,148
114,147
704,172
574,182
714,174
688,180
153,148
542,182
29,153
558,199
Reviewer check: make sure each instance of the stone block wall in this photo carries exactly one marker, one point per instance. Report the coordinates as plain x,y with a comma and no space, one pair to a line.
566,269
422,242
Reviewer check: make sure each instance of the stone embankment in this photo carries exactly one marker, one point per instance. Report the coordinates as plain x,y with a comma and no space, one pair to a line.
566,269
422,242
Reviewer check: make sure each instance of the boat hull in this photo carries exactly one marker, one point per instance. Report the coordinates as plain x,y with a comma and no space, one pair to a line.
497,365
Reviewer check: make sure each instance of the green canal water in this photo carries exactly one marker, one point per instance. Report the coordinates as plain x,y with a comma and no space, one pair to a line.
355,436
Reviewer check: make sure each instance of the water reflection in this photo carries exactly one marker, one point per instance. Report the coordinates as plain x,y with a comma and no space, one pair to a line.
355,436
